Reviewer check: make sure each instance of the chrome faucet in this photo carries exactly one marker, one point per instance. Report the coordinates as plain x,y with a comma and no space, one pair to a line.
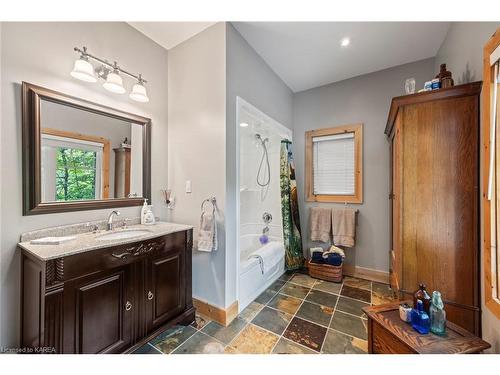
110,219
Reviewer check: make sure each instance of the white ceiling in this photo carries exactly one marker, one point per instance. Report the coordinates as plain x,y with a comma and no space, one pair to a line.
308,54
170,34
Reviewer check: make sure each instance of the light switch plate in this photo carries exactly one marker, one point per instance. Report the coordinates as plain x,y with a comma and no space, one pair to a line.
188,186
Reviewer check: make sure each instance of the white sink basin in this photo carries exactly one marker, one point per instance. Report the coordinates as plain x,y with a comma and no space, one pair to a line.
122,234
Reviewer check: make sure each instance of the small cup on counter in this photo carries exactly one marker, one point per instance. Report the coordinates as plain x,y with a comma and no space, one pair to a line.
405,312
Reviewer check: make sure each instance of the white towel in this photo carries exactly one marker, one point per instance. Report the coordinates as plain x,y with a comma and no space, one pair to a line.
207,235
334,249
269,255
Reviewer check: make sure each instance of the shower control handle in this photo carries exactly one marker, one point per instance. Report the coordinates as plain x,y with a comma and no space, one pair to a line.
267,217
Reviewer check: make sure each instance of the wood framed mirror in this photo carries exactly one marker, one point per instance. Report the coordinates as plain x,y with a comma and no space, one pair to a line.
79,155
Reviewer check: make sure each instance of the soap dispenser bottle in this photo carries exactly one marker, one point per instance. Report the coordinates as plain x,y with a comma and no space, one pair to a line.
149,217
144,210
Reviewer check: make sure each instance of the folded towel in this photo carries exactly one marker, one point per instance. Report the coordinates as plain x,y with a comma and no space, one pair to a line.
269,255
334,259
336,250
344,226
320,224
313,250
317,258
207,235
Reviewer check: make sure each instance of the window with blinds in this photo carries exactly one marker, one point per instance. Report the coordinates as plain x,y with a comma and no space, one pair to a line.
334,164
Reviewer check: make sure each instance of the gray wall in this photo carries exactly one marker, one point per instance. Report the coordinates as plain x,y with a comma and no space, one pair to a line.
196,140
462,51
42,53
250,78
365,99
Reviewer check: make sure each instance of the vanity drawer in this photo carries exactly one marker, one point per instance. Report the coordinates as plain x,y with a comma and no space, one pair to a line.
103,259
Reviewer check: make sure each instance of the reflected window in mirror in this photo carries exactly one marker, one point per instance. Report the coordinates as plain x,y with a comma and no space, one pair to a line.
73,167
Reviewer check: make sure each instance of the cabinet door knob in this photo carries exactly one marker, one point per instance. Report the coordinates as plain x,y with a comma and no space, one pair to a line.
128,306
150,295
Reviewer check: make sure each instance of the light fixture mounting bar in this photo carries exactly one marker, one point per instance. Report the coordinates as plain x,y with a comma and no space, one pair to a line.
84,52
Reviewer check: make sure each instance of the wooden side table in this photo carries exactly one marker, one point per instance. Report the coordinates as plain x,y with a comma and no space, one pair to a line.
388,334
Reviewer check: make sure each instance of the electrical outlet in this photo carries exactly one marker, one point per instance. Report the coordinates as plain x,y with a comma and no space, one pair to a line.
188,186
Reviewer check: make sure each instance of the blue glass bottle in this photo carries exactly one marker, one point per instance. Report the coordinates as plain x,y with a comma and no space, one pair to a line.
419,319
437,314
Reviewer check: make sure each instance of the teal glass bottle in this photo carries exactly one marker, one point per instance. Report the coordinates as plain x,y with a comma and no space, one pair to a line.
419,319
437,314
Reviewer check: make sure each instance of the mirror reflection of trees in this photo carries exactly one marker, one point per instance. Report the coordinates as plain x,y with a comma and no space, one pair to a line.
75,174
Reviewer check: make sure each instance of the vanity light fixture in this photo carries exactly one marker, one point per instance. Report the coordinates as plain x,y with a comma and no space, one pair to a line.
243,124
139,91
83,70
345,42
110,73
114,82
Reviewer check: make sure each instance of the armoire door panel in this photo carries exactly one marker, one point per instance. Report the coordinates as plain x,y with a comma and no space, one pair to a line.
409,200
440,197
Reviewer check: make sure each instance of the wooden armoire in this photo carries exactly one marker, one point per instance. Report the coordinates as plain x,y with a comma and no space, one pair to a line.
434,148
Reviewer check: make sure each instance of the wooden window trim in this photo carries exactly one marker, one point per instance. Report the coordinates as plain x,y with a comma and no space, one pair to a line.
492,303
357,129
89,138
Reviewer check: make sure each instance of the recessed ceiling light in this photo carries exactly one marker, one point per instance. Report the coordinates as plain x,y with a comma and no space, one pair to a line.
345,42
243,124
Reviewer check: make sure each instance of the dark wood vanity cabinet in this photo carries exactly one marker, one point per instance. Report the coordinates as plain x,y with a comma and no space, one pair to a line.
108,300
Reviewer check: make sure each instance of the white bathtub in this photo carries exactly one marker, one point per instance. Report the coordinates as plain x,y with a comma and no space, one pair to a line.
252,281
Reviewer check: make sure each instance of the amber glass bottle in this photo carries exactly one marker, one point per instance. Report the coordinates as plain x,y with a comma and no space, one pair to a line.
421,294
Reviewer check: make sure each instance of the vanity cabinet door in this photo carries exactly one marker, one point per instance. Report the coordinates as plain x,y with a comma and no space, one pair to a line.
99,312
165,287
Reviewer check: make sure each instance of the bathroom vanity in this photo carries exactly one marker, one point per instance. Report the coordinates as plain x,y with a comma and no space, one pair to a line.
108,291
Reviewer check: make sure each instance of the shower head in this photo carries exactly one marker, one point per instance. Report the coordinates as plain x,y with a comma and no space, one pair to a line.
259,137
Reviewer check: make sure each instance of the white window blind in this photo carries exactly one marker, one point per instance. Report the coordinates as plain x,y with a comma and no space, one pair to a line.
334,164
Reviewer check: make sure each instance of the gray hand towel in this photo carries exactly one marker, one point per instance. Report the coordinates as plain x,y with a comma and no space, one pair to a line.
344,226
320,224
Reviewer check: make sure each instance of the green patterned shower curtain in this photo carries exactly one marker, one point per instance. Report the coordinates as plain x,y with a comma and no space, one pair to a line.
294,258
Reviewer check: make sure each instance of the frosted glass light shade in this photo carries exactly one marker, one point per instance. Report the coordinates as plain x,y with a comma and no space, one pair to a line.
84,71
114,83
139,93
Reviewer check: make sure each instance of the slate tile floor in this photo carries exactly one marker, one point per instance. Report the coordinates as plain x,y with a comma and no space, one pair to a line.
295,315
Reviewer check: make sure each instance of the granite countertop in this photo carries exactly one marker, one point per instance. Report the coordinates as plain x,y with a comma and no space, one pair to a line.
88,242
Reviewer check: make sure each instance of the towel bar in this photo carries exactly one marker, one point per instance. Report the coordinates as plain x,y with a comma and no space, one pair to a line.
212,200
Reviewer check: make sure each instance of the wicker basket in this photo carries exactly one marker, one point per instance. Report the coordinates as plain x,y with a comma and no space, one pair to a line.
325,272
